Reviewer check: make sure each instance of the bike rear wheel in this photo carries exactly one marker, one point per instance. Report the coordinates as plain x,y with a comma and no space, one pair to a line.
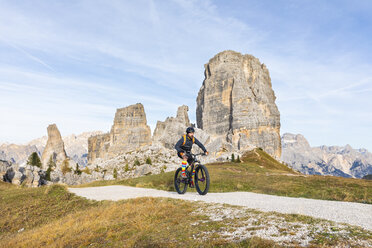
202,179
180,184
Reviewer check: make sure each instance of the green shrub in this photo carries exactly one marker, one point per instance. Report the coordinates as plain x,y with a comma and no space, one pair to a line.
86,170
136,162
162,170
77,169
115,173
51,165
65,167
232,157
148,161
126,168
47,174
238,160
34,160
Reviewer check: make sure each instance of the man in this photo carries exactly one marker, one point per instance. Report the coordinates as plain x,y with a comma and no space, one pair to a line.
183,147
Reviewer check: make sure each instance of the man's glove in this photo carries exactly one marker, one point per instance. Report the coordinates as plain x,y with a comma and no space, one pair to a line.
206,153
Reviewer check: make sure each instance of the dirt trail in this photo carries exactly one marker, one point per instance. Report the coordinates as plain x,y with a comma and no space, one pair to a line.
345,212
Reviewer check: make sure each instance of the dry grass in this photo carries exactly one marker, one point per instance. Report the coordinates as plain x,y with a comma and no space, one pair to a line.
261,173
52,217
143,222
30,207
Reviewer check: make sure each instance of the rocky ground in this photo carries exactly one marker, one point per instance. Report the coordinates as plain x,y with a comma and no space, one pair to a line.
344,212
286,226
240,223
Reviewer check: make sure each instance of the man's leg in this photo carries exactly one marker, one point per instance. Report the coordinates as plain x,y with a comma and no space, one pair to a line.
183,173
190,161
184,164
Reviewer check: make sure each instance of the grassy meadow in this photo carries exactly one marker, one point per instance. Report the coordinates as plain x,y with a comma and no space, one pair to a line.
50,216
260,173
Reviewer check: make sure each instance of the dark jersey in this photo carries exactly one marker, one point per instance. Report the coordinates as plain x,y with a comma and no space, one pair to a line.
185,145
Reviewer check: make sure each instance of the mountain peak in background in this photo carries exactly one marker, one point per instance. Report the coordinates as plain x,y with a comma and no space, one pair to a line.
325,160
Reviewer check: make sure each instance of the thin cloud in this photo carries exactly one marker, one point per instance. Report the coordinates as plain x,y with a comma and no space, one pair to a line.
109,54
29,55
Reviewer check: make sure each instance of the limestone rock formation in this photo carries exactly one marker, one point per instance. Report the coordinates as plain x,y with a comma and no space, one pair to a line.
129,131
71,178
236,104
168,132
54,148
325,160
98,146
149,159
76,146
16,153
183,115
4,166
27,175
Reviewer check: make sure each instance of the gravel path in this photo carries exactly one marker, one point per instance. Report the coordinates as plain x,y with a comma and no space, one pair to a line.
346,212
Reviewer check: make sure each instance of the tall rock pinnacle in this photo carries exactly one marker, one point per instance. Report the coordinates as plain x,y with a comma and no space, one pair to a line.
54,147
237,103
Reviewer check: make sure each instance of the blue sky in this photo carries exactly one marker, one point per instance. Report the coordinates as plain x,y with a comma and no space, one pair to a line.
74,62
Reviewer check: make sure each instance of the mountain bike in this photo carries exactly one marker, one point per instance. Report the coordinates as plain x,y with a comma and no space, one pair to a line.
201,177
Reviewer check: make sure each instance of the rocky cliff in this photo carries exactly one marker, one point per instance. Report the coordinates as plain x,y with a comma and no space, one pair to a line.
168,132
16,153
54,148
98,146
325,160
236,103
129,131
76,147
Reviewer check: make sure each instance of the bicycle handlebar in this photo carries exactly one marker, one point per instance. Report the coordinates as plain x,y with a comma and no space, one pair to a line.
198,154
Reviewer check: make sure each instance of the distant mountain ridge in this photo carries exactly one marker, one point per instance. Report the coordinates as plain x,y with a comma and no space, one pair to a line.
76,148
341,161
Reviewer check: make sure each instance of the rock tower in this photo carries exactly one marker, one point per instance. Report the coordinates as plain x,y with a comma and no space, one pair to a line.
129,131
54,148
168,132
236,103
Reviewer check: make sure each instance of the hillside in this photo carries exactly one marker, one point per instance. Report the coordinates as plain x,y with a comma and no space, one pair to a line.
261,173
51,216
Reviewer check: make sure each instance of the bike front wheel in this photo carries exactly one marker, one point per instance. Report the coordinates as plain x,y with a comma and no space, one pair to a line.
202,180
180,183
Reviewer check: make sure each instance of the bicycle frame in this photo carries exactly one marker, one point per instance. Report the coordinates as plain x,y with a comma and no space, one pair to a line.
201,176
195,164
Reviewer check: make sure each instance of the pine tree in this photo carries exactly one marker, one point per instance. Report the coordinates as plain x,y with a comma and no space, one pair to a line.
232,157
148,161
34,160
77,169
238,160
51,165
115,173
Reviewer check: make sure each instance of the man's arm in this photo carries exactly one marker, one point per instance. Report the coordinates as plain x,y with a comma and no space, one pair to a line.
200,145
178,145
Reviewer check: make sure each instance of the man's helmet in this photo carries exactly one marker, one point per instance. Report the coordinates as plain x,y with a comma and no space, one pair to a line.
190,130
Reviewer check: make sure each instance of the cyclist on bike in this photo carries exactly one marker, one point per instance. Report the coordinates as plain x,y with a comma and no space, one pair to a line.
183,147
